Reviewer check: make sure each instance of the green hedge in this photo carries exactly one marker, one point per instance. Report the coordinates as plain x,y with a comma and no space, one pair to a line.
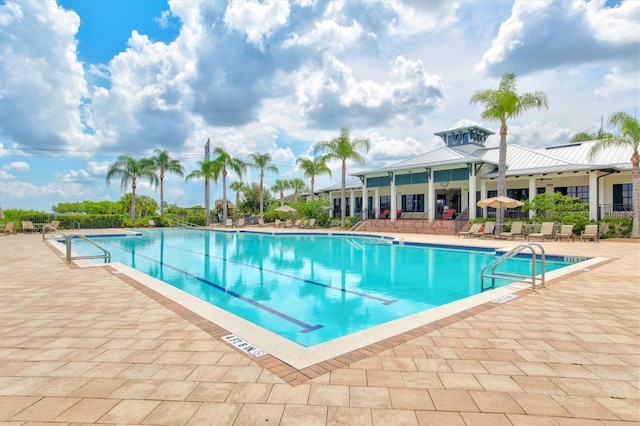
91,221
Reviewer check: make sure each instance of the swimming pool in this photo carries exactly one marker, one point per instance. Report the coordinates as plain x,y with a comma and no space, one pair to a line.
308,288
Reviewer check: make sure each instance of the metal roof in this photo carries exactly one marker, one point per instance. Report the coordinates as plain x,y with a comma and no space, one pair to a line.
572,157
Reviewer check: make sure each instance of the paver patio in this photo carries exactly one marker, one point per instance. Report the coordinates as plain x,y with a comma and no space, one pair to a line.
85,345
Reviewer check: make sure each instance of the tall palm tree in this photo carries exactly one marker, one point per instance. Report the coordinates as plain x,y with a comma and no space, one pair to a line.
313,167
629,137
501,105
281,185
343,149
262,162
204,171
297,185
165,164
222,161
130,169
237,186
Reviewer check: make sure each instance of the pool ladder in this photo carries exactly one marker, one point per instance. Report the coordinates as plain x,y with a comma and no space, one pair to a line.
69,237
489,271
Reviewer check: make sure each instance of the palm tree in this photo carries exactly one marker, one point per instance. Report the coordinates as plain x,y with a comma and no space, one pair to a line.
222,161
297,185
165,164
281,185
237,186
342,148
130,169
501,105
313,167
261,161
204,171
629,137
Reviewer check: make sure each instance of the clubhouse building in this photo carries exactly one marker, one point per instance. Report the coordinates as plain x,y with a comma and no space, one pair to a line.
464,171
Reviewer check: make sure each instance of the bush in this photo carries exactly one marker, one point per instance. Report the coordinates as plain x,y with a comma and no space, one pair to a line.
92,221
613,227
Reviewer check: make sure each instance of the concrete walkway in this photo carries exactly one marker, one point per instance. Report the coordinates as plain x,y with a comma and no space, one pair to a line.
84,345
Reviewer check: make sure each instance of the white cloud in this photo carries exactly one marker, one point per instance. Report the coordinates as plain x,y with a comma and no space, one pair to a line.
17,165
328,35
415,16
4,176
257,19
73,176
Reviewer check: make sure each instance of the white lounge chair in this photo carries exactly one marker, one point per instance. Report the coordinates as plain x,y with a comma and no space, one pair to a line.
590,232
472,230
566,232
515,231
485,231
546,231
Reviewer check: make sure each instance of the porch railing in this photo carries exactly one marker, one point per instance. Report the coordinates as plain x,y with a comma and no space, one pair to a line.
615,210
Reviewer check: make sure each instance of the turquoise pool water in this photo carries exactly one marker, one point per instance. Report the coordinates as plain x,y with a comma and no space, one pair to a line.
307,288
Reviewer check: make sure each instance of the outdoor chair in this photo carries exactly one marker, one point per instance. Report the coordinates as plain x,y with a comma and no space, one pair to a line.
449,214
152,223
27,226
277,223
546,231
566,232
240,223
486,230
590,233
472,230
229,223
311,224
9,228
516,231
385,214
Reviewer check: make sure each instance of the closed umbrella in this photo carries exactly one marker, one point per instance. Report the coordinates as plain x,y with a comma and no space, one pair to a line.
500,202
1,213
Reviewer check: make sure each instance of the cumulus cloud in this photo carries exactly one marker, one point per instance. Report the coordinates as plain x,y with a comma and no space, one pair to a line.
43,87
17,165
258,20
334,95
550,34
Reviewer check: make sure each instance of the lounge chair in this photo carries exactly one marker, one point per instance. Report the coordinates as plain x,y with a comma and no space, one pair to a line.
278,223
385,214
516,231
311,224
486,231
546,231
152,223
297,223
288,223
9,228
229,223
27,226
472,230
240,223
449,214
590,233
566,231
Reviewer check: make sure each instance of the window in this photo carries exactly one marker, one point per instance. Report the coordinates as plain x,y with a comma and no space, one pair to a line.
622,197
413,203
385,203
582,192
336,207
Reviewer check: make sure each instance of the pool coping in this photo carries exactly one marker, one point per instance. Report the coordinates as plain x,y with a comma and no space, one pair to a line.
297,364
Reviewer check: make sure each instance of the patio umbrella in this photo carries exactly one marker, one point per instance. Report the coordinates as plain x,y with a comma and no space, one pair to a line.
286,209
499,202
1,213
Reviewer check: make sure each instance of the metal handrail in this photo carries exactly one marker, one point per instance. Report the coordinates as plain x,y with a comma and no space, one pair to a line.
178,223
510,276
69,237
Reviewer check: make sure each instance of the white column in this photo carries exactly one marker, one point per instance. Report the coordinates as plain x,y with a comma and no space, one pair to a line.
393,199
365,199
352,203
432,198
593,195
483,195
532,193
472,193
376,201
331,203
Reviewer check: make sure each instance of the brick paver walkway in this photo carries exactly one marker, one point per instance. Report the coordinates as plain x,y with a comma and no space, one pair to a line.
81,345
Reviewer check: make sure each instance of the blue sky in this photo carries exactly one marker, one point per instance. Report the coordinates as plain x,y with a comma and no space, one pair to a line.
85,81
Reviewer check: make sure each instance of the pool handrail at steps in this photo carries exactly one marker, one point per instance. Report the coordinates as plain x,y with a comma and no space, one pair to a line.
493,274
178,223
68,237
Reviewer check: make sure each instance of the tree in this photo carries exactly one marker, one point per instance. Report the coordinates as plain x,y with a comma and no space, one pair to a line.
130,169
165,164
262,162
251,203
224,161
629,137
343,149
205,170
237,186
297,185
281,185
587,136
313,167
145,205
501,105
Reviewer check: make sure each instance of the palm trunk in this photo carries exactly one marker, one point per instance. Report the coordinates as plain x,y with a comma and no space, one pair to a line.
132,207
260,190
502,174
224,196
343,195
162,195
635,228
312,182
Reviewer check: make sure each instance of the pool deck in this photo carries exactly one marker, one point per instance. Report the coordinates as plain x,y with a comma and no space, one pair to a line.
87,345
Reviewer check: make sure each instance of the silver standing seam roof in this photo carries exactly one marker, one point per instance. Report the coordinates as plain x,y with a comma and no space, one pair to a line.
520,161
